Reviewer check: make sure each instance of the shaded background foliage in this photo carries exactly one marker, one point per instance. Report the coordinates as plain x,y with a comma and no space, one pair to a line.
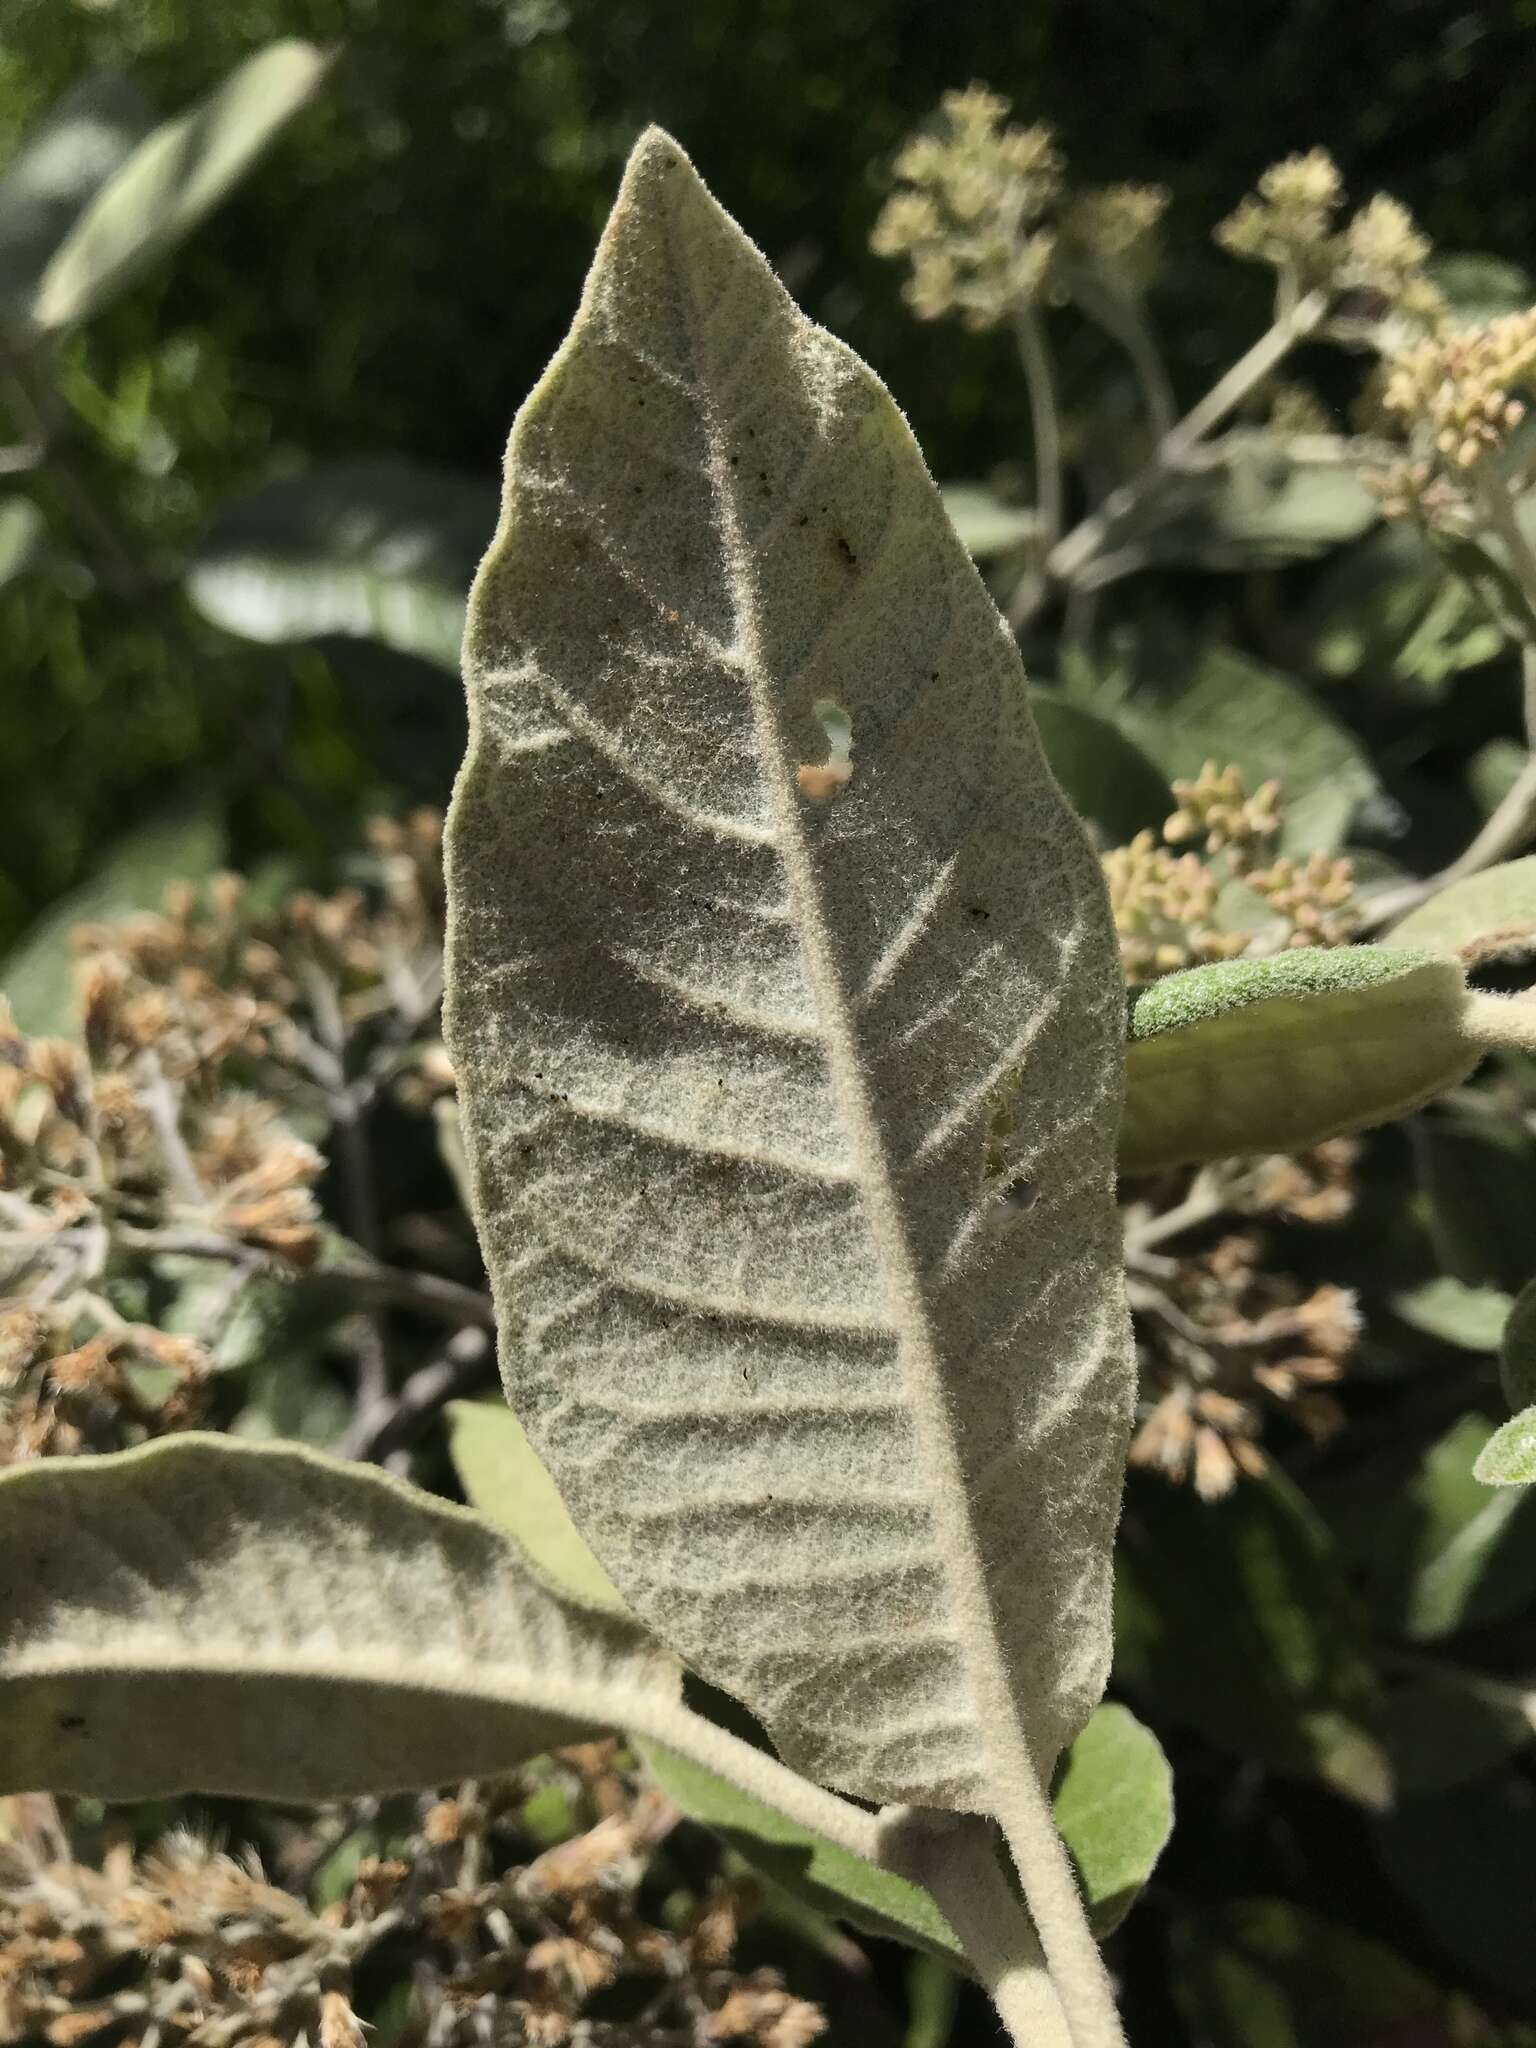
398,271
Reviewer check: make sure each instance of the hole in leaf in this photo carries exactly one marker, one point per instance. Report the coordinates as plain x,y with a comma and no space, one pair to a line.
821,780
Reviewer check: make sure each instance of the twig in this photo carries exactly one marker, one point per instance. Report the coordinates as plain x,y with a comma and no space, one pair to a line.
1511,827
160,1102
1206,1198
397,1418
428,1294
1070,556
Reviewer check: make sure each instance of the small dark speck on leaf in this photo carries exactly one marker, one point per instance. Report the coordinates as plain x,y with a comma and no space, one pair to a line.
978,910
843,549
72,1724
1021,1192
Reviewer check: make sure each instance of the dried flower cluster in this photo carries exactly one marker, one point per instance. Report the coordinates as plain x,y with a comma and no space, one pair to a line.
1167,904
1223,1337
207,1034
983,215
495,1942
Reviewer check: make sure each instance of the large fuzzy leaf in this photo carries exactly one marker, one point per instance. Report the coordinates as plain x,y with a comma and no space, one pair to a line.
208,1615
843,1417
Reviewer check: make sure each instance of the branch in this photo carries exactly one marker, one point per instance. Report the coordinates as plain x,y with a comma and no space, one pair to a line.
394,1419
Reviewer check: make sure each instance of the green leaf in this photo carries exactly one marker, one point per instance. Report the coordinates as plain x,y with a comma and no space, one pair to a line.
804,1862
1509,1456
1457,1558
1110,781
38,976
985,525
502,1477
1272,1054
1471,1318
1114,1807
376,549
1517,1353
172,180
1443,1725
78,145
215,1616
728,1042
1387,611
933,2002
1491,916
1481,287
1183,705
1477,1177
1263,506
1263,1973
21,537
1464,1862
1232,1618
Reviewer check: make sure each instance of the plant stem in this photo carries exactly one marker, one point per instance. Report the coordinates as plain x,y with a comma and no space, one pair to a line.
953,1856
1500,1022
1045,425
1056,1907
1124,319
1070,556
1512,826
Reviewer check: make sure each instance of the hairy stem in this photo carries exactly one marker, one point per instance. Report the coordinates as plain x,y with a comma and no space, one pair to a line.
953,1857
1056,1907
1500,1022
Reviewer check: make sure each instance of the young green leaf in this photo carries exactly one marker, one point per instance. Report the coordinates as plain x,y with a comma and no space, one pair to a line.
819,1871
501,1473
174,177
1114,1806
1272,1054
1509,1456
1491,916
1517,1352
842,1415
376,549
1471,1318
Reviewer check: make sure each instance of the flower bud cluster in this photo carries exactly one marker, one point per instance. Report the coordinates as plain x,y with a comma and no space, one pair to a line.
983,216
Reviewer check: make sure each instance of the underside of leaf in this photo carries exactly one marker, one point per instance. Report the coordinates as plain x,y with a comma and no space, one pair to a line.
762,904
215,1616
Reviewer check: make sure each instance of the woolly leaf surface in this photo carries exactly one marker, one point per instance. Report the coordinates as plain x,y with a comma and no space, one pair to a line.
843,1421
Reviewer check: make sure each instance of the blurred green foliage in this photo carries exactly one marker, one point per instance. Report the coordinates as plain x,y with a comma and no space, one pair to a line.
400,266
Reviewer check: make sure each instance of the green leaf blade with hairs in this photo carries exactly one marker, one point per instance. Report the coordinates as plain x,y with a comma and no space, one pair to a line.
1509,1456
1273,1054
216,1616
843,1418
